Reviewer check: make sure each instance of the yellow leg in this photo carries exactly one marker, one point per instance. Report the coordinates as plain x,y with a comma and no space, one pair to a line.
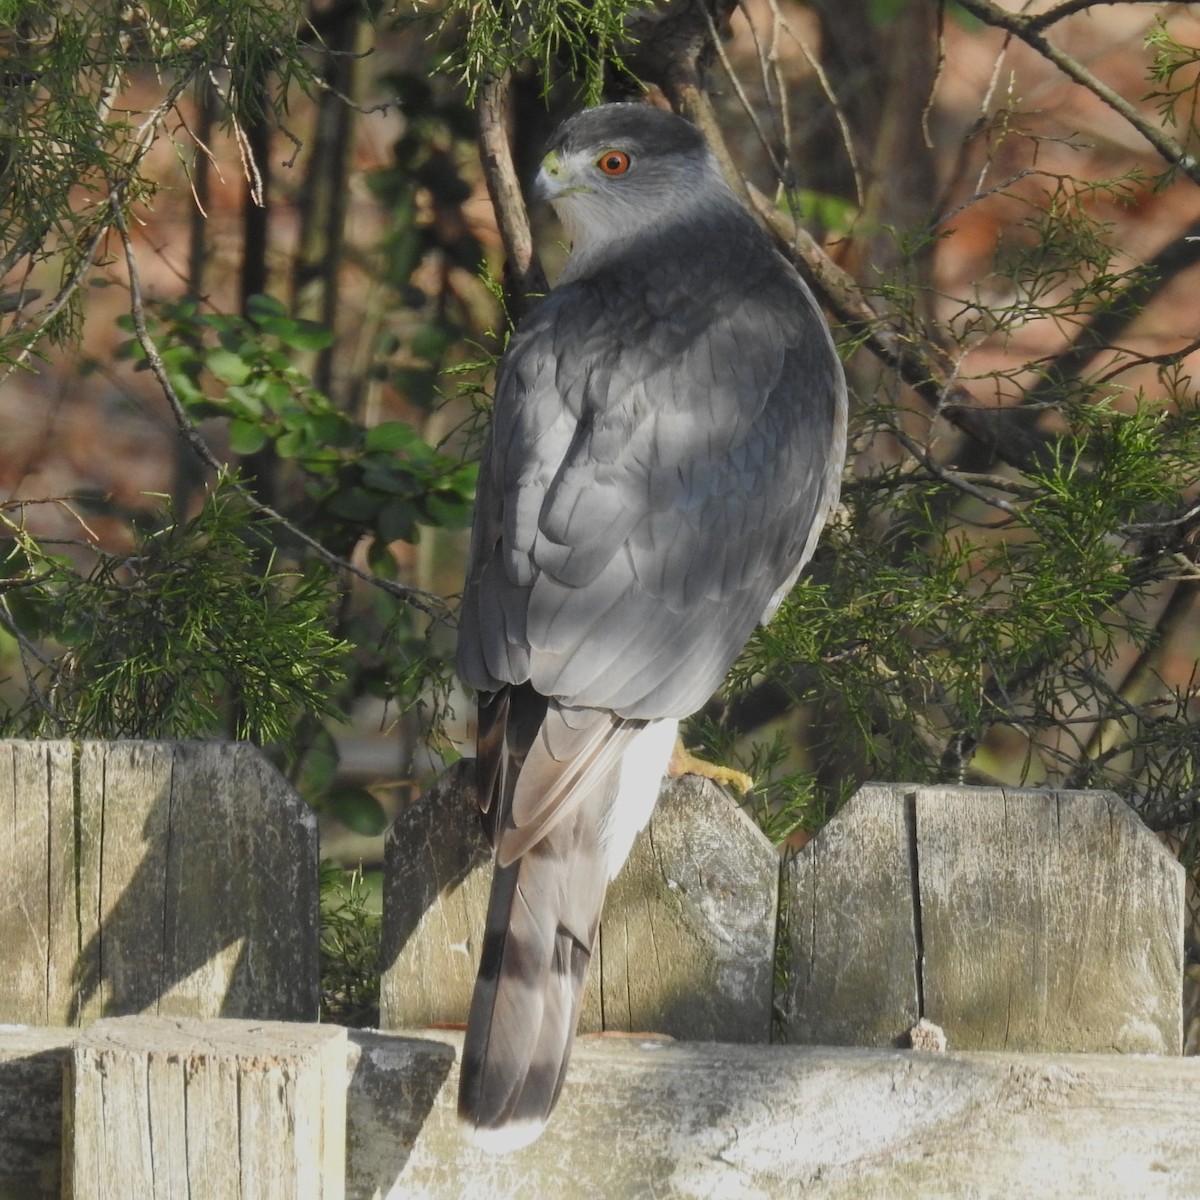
682,763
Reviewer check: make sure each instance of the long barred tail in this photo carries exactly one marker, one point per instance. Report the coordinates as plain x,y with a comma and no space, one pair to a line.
541,925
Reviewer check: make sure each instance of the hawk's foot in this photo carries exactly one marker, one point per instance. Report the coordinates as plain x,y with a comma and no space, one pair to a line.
682,763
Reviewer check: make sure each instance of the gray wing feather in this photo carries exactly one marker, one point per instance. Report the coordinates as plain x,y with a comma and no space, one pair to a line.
659,467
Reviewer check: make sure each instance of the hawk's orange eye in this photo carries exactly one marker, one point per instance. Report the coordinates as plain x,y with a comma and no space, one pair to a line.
613,162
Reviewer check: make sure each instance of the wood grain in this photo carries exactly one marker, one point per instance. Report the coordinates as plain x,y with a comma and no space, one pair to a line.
38,918
1012,918
31,1088
170,877
436,877
686,944
687,939
641,1117
1050,921
692,1121
172,1108
853,976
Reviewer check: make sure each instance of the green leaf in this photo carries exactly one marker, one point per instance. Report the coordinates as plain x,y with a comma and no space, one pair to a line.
333,429
297,333
357,809
227,366
390,436
354,504
264,306
275,392
397,522
245,400
293,443
448,510
245,437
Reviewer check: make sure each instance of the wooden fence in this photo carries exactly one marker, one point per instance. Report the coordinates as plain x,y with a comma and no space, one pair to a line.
158,983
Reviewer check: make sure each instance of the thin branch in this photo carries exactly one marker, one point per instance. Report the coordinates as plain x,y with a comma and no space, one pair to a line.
1028,30
1168,359
975,197
525,272
1120,310
690,99
839,116
960,481
743,99
426,602
922,365
1068,7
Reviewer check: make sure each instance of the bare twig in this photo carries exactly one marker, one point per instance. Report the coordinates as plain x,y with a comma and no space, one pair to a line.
743,99
921,364
692,101
1028,29
839,115
1067,7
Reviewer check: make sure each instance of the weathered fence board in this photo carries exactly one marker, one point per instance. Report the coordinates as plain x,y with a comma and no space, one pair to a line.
38,915
850,922
691,1121
1025,919
436,877
31,1088
686,943
687,939
170,877
180,878
1050,921
685,1121
159,1108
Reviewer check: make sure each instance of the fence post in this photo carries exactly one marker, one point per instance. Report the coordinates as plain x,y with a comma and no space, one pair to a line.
31,1089
159,1108
1015,919
436,874
687,941
169,877
686,944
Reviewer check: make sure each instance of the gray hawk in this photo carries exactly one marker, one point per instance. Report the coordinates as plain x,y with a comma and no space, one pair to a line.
666,444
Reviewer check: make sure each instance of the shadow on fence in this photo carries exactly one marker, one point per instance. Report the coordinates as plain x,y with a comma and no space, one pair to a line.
171,883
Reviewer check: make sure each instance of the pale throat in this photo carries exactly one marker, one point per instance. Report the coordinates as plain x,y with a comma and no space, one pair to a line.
597,227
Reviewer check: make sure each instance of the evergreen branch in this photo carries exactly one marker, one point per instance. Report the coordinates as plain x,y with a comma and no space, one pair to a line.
1120,310
1169,622
27,651
1028,30
433,606
109,214
956,479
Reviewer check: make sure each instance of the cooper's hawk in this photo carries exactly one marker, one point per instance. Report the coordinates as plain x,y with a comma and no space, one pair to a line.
667,442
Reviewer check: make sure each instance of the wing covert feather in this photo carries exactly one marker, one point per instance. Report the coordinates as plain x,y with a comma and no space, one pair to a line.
659,466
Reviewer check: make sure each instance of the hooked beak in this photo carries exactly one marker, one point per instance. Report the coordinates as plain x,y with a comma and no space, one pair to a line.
553,181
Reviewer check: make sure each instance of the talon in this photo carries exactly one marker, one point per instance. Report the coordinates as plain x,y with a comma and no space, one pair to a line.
683,763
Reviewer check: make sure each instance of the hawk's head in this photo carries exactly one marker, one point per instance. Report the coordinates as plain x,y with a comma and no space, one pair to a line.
615,171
